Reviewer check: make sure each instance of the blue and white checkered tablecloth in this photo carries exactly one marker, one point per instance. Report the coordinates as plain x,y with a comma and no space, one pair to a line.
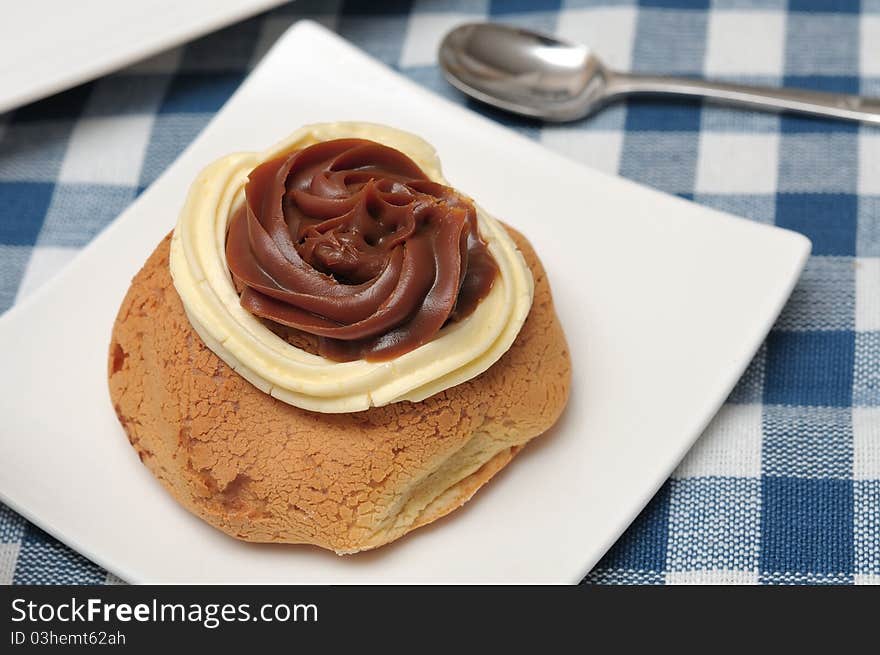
784,486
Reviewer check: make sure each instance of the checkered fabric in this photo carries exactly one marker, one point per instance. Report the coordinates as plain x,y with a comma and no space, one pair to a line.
784,486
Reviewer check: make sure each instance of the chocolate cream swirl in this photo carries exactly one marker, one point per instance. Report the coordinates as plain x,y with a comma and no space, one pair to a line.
349,240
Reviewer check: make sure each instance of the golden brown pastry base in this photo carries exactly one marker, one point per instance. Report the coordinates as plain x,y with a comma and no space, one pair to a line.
261,470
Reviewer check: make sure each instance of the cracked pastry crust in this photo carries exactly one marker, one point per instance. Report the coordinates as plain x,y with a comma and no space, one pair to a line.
264,471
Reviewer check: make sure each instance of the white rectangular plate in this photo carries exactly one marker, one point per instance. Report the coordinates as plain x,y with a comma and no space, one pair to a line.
47,46
664,303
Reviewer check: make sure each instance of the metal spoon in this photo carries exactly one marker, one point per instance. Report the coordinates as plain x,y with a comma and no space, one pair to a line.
538,75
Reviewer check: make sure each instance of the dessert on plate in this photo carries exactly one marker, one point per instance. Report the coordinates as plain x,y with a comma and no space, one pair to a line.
334,346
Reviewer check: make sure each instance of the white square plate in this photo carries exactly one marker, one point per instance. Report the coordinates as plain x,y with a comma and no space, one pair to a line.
664,303
47,46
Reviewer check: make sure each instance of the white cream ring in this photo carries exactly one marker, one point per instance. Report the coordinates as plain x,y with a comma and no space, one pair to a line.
460,351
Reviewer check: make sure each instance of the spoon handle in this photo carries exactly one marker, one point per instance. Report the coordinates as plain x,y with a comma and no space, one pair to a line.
818,103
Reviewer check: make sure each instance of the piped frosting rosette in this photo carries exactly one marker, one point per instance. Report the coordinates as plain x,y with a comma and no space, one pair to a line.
458,351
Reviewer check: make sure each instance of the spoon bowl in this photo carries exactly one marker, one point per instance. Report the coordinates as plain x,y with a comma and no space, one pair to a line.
524,72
